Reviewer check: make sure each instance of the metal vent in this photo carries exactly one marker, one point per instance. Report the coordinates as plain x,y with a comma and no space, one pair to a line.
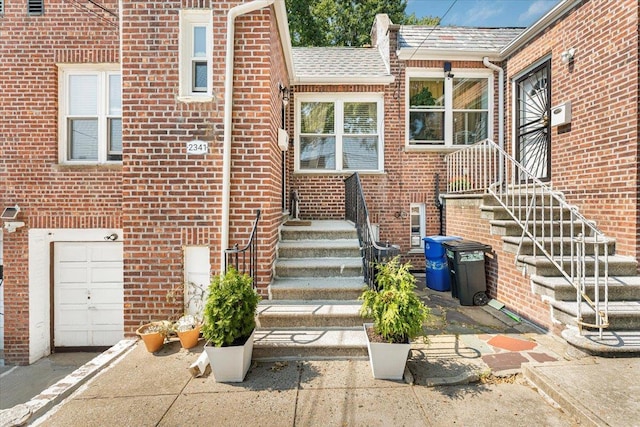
35,7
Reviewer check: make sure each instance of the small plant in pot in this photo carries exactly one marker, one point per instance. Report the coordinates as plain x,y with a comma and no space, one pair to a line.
398,315
188,330
229,325
154,334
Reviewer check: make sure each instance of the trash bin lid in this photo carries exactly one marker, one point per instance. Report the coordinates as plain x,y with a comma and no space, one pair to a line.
440,239
466,245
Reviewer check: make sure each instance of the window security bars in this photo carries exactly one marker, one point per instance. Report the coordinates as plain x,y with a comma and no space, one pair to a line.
356,211
245,260
546,219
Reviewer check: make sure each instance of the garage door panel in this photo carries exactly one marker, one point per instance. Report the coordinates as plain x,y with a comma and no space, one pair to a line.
106,252
88,294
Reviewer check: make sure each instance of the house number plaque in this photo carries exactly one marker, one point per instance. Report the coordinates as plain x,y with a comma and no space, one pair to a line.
197,147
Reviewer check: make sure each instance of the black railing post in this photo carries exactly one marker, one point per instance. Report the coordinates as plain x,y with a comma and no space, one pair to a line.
245,260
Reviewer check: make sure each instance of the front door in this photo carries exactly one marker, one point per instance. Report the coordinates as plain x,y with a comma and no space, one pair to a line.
88,294
533,122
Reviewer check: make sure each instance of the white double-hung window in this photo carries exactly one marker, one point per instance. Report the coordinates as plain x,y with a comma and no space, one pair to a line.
339,132
448,111
196,40
90,125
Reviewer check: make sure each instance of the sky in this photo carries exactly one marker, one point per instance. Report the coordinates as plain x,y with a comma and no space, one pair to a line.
483,13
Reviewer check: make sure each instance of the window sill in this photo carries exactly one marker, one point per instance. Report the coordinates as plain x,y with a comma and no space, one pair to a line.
432,148
88,166
415,251
337,173
188,99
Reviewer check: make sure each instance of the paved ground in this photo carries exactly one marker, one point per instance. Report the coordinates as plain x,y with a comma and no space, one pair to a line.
470,373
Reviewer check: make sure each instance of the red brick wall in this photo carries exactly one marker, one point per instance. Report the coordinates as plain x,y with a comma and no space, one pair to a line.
505,281
50,195
595,161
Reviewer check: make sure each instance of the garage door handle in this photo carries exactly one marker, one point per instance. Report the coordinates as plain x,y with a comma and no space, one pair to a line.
92,307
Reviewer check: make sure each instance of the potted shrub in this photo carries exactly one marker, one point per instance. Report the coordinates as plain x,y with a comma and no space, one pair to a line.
398,315
229,325
154,334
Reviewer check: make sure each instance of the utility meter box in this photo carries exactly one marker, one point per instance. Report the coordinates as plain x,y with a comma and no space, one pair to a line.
561,114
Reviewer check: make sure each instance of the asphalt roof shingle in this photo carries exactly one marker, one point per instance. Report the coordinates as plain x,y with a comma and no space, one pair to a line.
455,38
338,62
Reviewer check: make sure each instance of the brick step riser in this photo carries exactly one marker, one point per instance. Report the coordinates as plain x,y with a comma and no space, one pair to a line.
623,322
568,293
315,294
311,271
287,235
527,248
306,252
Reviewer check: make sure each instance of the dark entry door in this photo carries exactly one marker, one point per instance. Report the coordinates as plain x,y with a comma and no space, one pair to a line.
533,122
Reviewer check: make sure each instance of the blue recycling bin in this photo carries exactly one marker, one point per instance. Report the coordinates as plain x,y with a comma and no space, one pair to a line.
437,269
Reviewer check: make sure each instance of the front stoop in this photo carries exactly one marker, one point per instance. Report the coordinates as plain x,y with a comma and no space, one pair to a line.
313,311
623,334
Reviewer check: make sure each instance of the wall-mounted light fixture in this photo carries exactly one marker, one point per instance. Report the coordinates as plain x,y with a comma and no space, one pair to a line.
10,212
567,55
447,70
12,226
284,93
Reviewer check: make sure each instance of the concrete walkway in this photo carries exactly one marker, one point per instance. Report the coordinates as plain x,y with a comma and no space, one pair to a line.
479,368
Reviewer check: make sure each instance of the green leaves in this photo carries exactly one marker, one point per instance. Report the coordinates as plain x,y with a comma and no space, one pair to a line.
229,313
397,312
343,22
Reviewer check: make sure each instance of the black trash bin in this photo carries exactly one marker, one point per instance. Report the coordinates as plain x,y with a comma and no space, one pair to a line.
466,267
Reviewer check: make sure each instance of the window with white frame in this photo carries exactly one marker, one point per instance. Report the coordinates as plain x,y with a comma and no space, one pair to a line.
339,132
448,111
417,218
90,114
196,40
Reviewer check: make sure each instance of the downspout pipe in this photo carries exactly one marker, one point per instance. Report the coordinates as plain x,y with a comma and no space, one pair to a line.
228,110
500,71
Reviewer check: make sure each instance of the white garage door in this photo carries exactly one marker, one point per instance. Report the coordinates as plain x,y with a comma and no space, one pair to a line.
88,294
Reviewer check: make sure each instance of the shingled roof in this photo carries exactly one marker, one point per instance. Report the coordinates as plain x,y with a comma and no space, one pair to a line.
456,38
339,64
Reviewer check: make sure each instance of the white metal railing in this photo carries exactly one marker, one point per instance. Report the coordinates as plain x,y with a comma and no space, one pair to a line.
545,218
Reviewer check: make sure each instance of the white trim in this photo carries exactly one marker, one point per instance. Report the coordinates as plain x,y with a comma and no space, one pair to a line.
102,72
189,18
406,54
378,80
413,72
338,99
39,280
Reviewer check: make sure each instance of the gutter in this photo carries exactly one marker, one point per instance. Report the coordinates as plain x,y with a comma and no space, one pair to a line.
541,24
500,71
228,110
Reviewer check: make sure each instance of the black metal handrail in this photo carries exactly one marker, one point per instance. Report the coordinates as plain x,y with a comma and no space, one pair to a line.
355,208
245,260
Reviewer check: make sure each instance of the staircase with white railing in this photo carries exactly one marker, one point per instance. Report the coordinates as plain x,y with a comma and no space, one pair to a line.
570,262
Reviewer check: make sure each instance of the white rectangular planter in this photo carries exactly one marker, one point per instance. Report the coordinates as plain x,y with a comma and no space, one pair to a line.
387,360
230,364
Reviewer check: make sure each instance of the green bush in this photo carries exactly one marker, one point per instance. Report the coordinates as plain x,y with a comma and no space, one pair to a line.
229,314
398,314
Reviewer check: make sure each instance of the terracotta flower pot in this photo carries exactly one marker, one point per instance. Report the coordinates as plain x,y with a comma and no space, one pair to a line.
189,339
153,341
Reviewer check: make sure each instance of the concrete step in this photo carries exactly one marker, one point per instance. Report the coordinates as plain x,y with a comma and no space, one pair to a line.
310,343
317,288
612,344
499,212
521,197
621,288
618,265
504,227
623,315
511,245
338,248
318,267
312,314
320,230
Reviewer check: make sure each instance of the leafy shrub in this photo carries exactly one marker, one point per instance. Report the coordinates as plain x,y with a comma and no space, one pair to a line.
398,314
229,314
